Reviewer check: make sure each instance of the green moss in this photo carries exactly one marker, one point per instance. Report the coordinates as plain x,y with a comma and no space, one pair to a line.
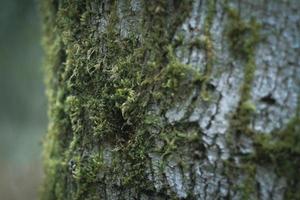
247,187
208,45
176,139
243,37
281,149
99,96
248,106
85,169
176,78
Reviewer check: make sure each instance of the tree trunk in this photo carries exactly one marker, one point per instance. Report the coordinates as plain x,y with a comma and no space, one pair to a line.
171,99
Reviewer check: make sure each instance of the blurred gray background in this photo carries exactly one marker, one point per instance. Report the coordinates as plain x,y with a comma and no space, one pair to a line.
23,116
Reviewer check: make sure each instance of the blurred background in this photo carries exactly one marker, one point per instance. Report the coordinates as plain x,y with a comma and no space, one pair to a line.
23,116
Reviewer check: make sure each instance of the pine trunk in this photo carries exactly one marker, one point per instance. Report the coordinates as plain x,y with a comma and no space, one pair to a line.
171,99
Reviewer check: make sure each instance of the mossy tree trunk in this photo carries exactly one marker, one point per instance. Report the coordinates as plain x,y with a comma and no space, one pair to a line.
171,99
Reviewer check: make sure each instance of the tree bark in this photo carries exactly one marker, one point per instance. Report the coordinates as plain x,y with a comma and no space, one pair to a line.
170,99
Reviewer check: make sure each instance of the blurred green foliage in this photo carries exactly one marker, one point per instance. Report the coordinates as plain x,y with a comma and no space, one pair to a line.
22,100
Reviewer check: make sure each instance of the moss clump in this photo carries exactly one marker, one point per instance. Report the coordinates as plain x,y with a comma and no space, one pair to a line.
100,85
208,45
243,38
281,149
175,79
175,140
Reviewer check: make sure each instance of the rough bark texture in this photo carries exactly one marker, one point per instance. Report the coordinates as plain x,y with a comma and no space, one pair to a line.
171,99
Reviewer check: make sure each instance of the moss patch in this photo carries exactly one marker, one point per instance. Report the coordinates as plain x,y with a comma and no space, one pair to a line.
281,149
243,39
100,85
